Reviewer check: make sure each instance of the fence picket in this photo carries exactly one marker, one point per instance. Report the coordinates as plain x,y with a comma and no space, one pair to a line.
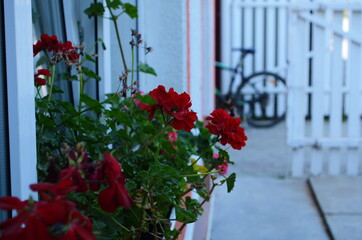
335,124
281,53
270,50
259,58
259,38
317,121
248,38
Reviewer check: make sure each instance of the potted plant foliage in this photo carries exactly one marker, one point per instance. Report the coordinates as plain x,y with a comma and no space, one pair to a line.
116,169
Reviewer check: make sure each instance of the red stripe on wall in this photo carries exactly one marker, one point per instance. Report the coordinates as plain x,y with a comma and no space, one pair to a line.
188,48
202,14
214,45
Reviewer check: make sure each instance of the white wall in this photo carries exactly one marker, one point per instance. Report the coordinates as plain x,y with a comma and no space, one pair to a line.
182,37
162,24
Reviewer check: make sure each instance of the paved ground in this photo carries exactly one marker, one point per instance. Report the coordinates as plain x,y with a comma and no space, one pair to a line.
340,200
266,209
267,204
266,153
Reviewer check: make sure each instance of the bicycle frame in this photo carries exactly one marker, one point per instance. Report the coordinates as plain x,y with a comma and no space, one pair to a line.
235,70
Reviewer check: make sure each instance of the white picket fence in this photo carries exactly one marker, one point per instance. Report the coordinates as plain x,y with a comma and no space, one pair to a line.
325,88
317,46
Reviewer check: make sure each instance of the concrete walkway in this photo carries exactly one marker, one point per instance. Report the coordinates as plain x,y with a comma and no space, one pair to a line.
266,209
267,204
340,201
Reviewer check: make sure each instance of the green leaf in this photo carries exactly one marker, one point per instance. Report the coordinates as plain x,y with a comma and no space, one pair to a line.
130,10
68,107
224,155
120,116
90,102
95,9
69,77
230,181
89,73
42,60
57,90
185,216
90,58
114,4
145,68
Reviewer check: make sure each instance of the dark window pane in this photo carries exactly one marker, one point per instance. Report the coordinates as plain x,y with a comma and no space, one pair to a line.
4,140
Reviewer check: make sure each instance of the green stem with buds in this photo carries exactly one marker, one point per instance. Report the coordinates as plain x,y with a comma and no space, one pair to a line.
81,87
114,20
51,82
200,174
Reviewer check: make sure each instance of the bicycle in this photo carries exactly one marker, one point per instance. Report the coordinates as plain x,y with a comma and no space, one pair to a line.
257,99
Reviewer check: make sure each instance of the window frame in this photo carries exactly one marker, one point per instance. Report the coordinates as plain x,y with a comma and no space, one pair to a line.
20,90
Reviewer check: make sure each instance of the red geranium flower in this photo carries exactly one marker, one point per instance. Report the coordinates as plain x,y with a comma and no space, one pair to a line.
78,227
52,44
39,80
61,188
174,104
222,124
81,170
115,195
74,174
112,169
41,220
172,137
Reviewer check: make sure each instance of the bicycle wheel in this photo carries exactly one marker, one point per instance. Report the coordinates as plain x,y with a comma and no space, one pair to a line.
261,99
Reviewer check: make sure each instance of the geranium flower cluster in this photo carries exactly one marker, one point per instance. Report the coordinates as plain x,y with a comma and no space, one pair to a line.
40,81
55,217
175,105
61,50
90,176
222,167
222,124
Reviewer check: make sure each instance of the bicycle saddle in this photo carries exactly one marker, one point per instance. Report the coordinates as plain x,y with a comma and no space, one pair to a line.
244,50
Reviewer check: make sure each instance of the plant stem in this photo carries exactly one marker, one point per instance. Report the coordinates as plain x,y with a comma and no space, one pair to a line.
217,140
121,225
114,20
199,174
81,86
201,204
190,189
119,41
152,139
51,82
79,113
132,70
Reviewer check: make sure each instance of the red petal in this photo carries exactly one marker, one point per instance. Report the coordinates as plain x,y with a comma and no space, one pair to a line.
35,229
13,225
10,203
113,197
106,200
55,211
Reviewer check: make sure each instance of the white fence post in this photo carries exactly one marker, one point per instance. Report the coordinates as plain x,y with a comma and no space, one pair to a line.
297,79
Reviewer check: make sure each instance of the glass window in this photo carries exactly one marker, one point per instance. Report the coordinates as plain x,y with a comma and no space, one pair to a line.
66,20
4,140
